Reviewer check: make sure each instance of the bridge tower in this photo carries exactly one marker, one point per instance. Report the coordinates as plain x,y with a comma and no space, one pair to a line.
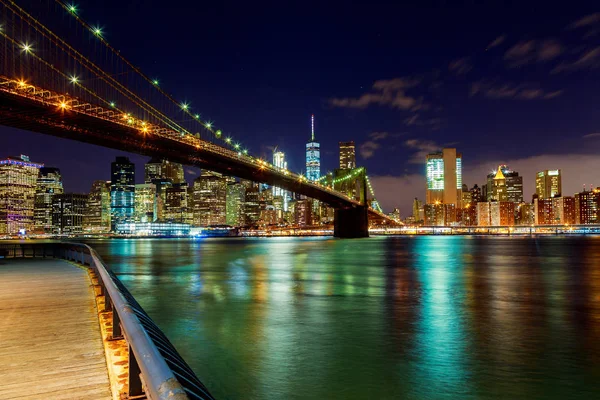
353,222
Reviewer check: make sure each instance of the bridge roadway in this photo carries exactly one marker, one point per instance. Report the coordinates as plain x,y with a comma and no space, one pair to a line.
50,341
35,109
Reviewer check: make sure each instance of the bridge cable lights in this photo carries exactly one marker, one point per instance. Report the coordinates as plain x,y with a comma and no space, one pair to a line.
184,106
97,31
74,79
26,48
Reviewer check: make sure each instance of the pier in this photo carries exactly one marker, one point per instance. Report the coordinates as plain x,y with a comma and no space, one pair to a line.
70,329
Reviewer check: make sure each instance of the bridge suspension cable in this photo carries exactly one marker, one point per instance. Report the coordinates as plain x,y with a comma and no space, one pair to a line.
72,10
92,67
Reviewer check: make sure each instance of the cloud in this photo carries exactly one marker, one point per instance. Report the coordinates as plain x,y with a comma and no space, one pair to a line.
548,50
460,66
526,52
398,191
423,148
576,170
496,42
511,91
367,149
589,59
378,135
591,135
588,20
390,92
416,120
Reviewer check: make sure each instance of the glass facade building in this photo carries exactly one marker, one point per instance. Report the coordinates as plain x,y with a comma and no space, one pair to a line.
49,183
122,191
68,211
97,214
444,178
313,155
18,178
210,199
279,162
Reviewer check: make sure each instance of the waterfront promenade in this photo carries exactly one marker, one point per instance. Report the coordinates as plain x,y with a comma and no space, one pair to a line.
50,341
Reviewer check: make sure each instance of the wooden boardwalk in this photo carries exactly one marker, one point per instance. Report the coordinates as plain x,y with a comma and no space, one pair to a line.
50,343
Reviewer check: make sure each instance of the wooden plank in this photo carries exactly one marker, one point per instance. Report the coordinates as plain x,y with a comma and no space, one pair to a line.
50,342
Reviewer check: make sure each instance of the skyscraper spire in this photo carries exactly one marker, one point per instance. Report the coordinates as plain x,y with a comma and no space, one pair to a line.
312,125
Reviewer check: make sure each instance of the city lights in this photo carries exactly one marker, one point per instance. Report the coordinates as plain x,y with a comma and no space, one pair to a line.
26,48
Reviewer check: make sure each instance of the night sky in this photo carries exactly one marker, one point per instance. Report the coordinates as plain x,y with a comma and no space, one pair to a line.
513,84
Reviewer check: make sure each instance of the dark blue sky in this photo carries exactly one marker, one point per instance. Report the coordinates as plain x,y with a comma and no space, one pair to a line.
502,83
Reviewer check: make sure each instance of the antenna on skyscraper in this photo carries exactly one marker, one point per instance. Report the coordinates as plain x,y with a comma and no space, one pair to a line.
312,127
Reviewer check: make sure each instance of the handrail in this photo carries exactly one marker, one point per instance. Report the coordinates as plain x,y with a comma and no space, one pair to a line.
163,374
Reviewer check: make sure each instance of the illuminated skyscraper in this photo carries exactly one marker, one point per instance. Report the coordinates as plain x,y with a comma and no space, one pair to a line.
145,202
178,206
512,186
548,184
210,199
236,197
97,214
347,155
157,169
68,210
173,171
153,170
49,183
122,191
444,178
313,155
279,162
587,205
18,177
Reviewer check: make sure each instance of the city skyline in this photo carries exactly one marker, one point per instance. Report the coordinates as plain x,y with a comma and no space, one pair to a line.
520,85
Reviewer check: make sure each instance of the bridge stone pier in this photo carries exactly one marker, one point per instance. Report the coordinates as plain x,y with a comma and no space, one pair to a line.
351,222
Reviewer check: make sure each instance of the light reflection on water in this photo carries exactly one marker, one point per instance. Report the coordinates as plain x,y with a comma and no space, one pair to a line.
398,317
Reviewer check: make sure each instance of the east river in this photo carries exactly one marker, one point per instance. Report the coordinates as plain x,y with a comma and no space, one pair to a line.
424,317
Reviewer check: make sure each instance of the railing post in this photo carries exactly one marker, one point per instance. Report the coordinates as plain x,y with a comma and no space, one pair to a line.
116,325
135,382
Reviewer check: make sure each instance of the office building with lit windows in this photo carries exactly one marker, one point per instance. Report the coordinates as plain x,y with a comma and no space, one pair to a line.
122,191
97,213
157,169
280,163
587,205
68,211
313,155
548,184
49,183
18,179
347,155
444,178
509,187
145,202
210,199
236,197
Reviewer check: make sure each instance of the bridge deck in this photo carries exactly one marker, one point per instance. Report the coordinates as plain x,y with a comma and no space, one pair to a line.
50,343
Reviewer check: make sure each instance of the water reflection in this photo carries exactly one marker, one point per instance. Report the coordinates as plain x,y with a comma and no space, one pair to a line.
416,317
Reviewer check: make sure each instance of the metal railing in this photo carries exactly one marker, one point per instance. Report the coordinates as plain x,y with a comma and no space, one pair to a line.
156,369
